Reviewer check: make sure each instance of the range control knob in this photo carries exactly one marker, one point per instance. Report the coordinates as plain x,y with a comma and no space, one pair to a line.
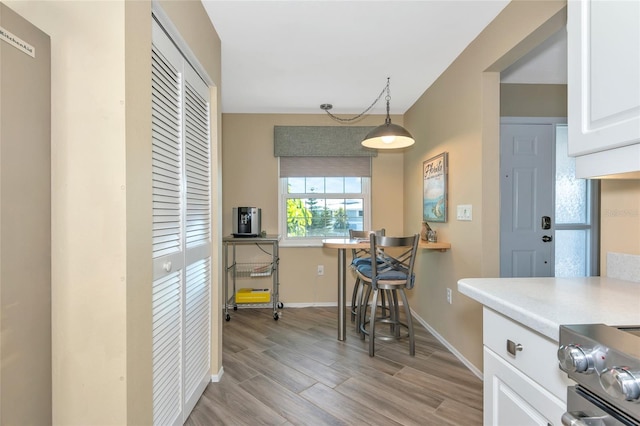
621,383
575,358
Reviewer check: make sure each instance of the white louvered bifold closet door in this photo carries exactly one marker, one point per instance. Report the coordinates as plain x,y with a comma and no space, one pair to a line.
181,233
197,299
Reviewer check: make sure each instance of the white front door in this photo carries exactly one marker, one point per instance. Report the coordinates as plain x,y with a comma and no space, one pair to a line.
527,200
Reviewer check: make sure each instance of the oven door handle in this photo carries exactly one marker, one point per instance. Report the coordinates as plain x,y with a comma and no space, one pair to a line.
578,418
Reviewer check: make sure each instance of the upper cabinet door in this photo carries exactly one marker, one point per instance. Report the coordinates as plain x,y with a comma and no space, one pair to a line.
604,85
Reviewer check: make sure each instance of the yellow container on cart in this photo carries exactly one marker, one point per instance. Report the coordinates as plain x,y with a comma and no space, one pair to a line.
253,295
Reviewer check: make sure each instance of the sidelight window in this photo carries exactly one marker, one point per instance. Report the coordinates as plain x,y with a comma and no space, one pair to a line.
576,216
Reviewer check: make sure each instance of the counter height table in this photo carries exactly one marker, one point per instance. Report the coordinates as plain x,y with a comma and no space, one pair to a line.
342,244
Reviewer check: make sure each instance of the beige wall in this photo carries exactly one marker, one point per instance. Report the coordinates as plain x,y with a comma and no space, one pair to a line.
250,178
88,207
533,100
25,226
619,218
459,114
101,204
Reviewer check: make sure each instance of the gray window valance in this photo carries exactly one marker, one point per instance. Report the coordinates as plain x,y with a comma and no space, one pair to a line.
321,141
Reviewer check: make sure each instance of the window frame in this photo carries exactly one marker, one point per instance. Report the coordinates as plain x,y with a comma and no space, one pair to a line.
592,217
283,196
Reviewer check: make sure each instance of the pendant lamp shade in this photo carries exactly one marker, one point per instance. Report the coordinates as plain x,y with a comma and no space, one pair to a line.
388,136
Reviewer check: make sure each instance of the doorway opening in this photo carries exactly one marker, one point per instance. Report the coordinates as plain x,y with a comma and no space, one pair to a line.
548,218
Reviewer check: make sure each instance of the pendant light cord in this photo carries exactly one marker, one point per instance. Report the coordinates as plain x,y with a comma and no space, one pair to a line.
327,107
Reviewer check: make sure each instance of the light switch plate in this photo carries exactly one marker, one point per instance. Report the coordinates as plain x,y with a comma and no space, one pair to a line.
465,212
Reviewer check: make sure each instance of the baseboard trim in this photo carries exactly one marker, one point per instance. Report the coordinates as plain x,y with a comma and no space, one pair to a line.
448,345
215,378
311,305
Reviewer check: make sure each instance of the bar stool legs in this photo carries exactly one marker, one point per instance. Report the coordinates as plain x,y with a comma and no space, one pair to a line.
362,302
407,310
387,315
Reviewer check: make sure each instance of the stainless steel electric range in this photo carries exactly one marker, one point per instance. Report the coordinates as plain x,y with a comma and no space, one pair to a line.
604,361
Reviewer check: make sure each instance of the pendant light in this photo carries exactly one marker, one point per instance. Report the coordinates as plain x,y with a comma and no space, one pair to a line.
385,136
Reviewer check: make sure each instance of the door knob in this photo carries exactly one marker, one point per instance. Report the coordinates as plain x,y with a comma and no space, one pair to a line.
546,238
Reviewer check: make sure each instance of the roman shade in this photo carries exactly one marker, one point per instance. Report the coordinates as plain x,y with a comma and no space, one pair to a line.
325,166
321,141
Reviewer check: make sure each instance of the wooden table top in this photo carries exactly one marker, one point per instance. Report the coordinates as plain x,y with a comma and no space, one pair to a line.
346,243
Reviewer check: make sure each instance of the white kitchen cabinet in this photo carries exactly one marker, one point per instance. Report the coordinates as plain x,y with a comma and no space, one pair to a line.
524,385
604,86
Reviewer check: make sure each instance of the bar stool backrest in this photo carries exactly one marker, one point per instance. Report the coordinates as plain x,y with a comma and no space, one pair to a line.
363,235
395,258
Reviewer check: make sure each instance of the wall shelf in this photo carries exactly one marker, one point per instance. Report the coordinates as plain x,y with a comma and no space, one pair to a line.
441,246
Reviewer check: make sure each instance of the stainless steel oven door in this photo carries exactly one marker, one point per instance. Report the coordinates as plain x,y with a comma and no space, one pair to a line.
585,409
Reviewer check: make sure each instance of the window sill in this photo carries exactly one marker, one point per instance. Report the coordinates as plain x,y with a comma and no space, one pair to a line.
301,244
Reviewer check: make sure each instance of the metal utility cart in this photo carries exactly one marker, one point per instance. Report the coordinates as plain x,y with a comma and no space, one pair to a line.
251,270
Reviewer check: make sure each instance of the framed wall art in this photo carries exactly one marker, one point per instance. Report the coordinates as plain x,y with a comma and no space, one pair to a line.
434,195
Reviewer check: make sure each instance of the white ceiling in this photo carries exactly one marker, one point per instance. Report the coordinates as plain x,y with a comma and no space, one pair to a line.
292,56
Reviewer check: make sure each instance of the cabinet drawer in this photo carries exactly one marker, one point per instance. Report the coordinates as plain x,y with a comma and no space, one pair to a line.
537,358
511,398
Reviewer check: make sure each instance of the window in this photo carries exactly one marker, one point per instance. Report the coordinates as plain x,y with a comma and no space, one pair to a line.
576,216
313,207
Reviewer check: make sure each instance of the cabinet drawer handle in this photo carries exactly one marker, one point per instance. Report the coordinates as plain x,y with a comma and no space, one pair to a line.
578,418
513,347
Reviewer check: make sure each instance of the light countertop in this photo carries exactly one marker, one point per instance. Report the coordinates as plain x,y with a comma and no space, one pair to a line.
543,304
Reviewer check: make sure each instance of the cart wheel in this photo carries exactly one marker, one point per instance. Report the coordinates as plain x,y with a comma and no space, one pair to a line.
276,316
280,305
235,308
228,317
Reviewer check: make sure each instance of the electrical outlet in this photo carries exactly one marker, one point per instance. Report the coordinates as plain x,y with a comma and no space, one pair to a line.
320,269
449,296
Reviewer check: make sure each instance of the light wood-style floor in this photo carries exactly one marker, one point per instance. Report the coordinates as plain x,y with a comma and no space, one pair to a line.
294,371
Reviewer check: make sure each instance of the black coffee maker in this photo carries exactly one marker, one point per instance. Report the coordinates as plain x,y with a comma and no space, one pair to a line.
246,221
